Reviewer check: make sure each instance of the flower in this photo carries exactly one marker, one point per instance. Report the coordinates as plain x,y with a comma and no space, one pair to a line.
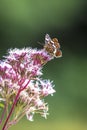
22,88
20,74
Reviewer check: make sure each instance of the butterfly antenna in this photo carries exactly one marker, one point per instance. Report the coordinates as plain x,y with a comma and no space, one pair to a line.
40,43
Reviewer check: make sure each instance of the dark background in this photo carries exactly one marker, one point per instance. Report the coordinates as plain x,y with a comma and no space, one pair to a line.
24,23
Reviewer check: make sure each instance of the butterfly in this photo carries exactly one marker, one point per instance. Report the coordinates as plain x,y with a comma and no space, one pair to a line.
52,46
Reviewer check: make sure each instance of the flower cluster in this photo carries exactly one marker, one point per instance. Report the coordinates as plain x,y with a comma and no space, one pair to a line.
21,87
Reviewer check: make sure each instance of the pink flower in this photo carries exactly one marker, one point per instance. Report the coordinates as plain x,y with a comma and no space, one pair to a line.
21,71
21,85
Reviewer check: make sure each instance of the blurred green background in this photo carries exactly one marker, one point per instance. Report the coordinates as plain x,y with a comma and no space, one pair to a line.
24,23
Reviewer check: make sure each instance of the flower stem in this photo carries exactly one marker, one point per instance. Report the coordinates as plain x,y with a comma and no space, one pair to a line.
12,108
15,101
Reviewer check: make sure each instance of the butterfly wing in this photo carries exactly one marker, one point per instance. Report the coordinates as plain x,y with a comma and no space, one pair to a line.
47,39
